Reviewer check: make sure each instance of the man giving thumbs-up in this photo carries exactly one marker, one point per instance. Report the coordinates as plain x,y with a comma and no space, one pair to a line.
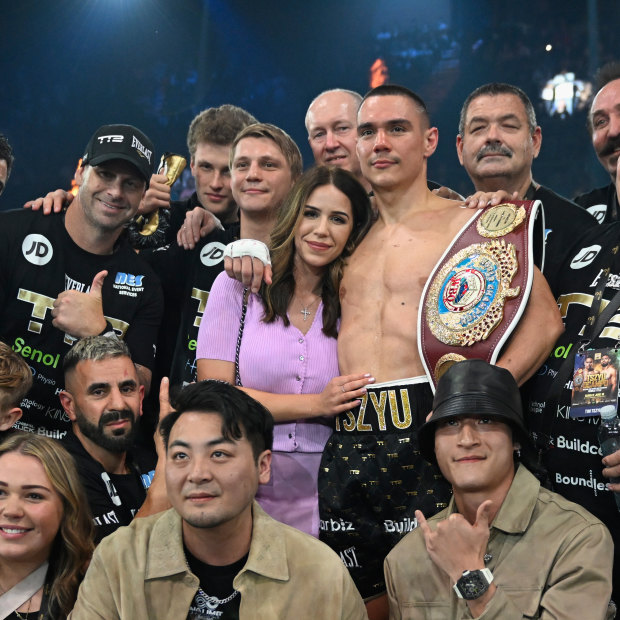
74,275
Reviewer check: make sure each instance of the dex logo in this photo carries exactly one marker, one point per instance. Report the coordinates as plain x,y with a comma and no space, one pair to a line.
585,257
37,249
212,254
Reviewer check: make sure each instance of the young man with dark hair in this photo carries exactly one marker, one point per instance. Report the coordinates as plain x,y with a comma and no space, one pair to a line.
497,143
215,553
505,547
103,400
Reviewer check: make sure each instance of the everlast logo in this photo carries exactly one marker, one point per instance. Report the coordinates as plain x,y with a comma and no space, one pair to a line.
146,153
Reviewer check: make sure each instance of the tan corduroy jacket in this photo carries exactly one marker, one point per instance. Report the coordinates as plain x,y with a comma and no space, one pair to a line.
550,559
139,573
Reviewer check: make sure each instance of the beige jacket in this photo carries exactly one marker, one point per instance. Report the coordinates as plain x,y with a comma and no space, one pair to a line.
139,573
551,559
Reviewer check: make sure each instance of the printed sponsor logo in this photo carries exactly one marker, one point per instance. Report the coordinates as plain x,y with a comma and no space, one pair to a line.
402,527
563,412
110,138
613,280
20,425
585,256
49,432
349,559
56,413
577,445
146,153
74,285
36,355
128,279
107,518
37,249
598,212
336,525
573,481
212,254
127,284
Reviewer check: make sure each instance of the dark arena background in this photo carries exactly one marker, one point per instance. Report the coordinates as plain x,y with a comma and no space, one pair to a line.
68,67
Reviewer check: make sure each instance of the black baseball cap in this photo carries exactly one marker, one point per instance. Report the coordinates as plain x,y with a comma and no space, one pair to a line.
121,142
475,387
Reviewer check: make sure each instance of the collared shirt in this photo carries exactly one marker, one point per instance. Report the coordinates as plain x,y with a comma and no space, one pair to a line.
139,572
550,558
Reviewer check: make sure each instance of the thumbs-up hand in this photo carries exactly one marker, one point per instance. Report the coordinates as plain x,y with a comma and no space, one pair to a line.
81,314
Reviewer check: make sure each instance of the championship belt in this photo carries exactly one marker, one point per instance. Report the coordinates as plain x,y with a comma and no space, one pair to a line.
478,290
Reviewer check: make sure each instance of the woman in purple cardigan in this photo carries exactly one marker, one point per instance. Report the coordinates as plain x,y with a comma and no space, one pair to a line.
288,352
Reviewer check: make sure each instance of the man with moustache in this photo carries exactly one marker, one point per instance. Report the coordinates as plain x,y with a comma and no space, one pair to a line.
604,128
497,143
103,400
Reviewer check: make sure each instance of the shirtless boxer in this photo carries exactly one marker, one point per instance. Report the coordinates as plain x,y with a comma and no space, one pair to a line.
372,477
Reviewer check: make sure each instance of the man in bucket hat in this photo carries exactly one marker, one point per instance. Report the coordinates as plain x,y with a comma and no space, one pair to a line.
505,547
75,275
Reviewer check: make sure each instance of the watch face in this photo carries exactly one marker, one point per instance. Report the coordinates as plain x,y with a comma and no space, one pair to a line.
473,585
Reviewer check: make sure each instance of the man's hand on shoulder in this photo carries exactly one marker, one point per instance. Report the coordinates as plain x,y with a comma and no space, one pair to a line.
198,224
157,196
81,314
54,202
480,200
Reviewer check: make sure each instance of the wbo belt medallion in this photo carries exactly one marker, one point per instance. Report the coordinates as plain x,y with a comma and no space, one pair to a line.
467,296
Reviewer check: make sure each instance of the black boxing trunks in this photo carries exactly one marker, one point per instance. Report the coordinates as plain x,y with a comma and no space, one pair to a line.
372,478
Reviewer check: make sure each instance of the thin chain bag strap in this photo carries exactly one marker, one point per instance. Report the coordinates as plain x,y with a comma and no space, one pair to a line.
244,309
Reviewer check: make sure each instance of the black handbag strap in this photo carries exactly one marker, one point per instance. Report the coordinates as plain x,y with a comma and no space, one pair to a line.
244,309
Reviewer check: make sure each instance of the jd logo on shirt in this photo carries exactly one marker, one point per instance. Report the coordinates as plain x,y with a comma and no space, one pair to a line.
585,257
212,254
37,249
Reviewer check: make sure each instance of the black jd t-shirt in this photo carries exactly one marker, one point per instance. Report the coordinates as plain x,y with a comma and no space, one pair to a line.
38,261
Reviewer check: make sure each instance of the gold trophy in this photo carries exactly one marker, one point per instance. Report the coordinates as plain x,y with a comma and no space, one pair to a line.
172,166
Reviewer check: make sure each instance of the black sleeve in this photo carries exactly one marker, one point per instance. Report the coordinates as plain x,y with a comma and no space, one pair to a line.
141,337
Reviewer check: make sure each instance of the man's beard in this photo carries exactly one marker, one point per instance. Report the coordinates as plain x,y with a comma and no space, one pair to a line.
121,439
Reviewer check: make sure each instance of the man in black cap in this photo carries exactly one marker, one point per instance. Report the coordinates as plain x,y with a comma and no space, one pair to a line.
505,546
74,275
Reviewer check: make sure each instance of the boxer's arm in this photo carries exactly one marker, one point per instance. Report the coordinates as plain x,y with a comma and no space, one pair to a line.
533,338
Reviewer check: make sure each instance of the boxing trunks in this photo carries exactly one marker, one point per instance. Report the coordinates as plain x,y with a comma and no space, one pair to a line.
372,478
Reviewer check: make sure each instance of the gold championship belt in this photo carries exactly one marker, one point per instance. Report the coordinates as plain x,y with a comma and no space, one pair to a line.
172,166
478,290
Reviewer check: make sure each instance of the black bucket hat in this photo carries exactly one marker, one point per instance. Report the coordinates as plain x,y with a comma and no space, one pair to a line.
474,387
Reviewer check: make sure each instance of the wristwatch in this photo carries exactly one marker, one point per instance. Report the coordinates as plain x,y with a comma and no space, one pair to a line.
473,584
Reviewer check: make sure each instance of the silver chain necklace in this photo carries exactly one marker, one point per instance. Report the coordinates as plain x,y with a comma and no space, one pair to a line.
212,602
